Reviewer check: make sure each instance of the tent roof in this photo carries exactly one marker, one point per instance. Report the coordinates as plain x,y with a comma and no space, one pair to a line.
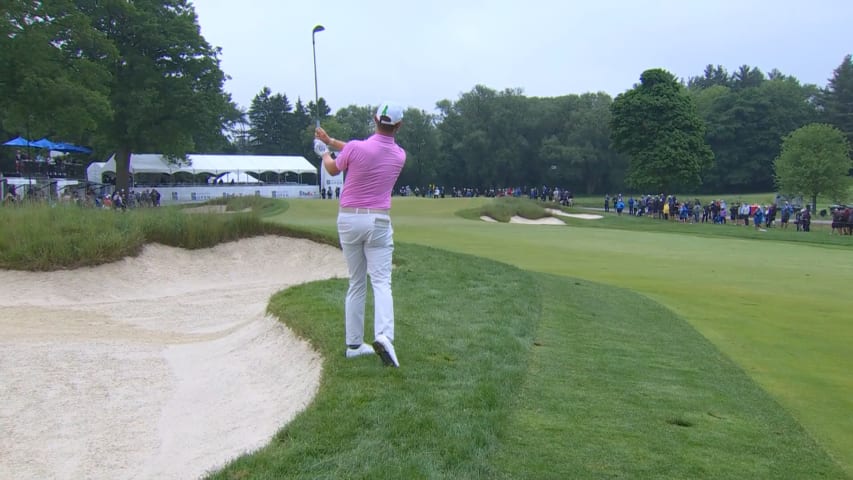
212,164
241,177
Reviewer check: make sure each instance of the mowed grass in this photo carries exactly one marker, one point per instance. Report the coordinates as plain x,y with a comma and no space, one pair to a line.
531,368
512,374
778,308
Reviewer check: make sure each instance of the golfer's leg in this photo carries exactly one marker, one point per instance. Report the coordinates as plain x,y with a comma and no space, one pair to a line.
352,235
379,250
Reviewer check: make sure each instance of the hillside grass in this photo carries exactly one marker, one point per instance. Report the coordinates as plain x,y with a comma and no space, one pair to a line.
777,306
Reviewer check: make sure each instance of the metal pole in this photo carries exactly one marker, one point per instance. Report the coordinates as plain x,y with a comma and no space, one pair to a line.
318,28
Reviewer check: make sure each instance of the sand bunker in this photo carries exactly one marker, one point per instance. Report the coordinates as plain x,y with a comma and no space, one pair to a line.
517,219
547,220
582,216
214,209
538,221
160,366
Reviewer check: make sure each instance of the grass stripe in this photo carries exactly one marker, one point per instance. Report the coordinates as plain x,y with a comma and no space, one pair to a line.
622,388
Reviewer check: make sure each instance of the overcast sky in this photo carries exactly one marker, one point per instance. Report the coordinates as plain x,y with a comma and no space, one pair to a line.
420,52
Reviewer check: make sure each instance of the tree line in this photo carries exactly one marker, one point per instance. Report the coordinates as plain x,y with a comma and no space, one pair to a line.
730,129
139,77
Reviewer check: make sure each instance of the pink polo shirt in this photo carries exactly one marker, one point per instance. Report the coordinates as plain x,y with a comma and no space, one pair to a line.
371,168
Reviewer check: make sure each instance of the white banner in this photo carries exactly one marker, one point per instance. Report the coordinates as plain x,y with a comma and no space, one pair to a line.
203,193
333,183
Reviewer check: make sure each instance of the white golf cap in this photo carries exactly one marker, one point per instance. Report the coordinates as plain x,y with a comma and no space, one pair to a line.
389,113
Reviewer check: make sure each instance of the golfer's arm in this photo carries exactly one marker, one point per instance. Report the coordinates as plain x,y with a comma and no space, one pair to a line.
336,145
329,164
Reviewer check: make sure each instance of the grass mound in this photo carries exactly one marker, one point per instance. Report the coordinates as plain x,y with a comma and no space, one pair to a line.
503,209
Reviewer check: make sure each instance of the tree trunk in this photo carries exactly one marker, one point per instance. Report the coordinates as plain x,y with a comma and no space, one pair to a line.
122,168
814,203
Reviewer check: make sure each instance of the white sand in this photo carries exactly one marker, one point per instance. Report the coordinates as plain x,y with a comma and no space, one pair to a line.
517,219
164,366
538,221
582,216
547,220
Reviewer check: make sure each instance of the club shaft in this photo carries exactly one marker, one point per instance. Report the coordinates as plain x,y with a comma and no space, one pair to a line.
316,94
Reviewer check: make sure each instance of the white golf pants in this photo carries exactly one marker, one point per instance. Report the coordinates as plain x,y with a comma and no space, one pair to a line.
367,241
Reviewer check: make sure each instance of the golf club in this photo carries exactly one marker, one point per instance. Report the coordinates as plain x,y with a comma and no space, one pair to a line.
317,28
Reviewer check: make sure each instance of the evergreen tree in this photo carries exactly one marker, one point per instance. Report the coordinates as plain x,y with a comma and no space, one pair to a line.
837,99
272,124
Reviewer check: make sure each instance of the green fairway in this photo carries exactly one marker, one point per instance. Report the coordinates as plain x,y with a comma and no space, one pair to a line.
623,348
778,309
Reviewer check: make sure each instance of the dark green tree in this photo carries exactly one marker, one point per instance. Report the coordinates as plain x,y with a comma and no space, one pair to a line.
747,77
166,86
776,74
814,161
358,121
707,98
745,129
324,109
837,98
272,124
419,138
301,114
49,81
490,139
466,139
450,165
657,126
578,152
714,75
239,136
304,125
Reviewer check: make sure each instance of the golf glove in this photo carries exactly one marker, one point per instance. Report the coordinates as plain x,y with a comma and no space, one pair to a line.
320,148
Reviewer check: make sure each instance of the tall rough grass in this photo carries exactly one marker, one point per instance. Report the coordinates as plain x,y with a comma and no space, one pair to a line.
43,237
262,205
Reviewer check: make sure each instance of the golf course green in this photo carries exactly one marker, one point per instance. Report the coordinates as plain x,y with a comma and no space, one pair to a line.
780,310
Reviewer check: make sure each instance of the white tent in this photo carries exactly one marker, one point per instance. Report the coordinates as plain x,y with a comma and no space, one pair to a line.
214,165
236,177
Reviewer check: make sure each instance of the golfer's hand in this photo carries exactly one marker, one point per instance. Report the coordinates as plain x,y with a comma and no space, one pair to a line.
320,148
321,135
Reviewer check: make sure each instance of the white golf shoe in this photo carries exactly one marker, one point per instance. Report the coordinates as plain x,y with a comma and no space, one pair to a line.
385,349
364,349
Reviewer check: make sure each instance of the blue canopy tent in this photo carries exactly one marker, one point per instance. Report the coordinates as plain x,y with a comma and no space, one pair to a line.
70,148
18,142
45,164
45,143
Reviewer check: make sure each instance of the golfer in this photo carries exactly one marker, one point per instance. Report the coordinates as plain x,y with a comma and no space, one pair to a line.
364,226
